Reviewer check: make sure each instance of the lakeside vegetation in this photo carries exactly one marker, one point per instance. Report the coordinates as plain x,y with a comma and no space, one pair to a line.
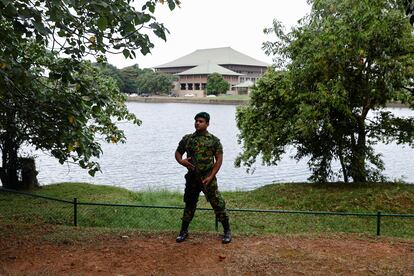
223,97
237,99
335,197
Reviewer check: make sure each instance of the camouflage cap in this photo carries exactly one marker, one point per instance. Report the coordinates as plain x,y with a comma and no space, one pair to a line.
204,115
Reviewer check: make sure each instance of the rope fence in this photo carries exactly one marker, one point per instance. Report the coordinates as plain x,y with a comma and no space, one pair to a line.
33,208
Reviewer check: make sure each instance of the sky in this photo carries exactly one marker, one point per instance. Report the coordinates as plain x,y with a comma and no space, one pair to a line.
202,24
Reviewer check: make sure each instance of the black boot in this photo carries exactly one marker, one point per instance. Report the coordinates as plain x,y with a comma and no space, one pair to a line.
227,231
183,232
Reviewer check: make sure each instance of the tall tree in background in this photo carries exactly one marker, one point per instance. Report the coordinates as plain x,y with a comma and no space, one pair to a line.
111,71
216,84
49,97
136,80
155,83
129,77
333,75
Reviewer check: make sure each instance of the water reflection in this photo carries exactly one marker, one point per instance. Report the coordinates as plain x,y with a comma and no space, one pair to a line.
146,161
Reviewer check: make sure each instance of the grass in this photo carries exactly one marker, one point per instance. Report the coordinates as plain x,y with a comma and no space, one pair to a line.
233,97
333,197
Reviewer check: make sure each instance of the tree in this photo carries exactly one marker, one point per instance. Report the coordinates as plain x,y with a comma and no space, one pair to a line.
110,71
129,77
333,75
49,97
216,84
154,82
145,80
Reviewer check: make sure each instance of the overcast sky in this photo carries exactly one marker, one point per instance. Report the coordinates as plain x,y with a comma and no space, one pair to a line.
201,24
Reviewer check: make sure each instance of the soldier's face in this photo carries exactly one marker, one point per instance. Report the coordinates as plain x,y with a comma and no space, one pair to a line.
200,124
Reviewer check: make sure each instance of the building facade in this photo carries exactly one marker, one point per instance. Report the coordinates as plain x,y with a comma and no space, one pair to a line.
193,70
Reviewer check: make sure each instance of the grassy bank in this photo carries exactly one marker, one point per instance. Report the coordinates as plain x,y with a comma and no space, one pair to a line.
367,198
222,99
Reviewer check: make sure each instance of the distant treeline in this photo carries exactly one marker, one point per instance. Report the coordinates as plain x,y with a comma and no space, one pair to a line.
133,79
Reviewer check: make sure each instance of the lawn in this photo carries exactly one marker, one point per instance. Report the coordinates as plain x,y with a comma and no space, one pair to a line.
106,206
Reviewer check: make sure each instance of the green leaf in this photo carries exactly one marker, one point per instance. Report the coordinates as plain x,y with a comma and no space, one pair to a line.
38,25
151,7
159,30
61,33
133,54
92,172
102,23
171,5
125,52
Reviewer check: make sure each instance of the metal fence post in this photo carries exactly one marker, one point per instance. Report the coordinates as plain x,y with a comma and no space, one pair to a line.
75,211
378,223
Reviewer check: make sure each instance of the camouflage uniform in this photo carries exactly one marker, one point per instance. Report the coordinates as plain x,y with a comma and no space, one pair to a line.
202,149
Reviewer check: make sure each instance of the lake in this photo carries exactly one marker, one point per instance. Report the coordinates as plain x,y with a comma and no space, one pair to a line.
146,161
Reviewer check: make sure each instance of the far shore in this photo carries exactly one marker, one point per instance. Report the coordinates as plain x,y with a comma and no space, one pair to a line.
218,100
192,100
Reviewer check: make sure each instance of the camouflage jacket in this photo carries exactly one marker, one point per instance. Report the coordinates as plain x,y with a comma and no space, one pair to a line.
202,148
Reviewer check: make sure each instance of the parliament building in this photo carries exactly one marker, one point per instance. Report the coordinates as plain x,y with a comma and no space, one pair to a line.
238,69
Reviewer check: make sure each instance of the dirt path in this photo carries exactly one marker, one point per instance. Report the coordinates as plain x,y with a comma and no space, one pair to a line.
44,250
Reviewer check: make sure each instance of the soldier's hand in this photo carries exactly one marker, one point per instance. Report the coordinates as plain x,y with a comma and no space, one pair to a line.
186,163
207,180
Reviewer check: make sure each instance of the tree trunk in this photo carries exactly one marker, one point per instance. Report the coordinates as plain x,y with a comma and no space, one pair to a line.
358,171
9,171
343,165
29,173
13,167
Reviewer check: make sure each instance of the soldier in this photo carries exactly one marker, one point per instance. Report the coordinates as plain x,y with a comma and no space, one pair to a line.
203,161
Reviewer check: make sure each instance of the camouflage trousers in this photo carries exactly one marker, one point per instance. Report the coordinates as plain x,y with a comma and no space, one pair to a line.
191,195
